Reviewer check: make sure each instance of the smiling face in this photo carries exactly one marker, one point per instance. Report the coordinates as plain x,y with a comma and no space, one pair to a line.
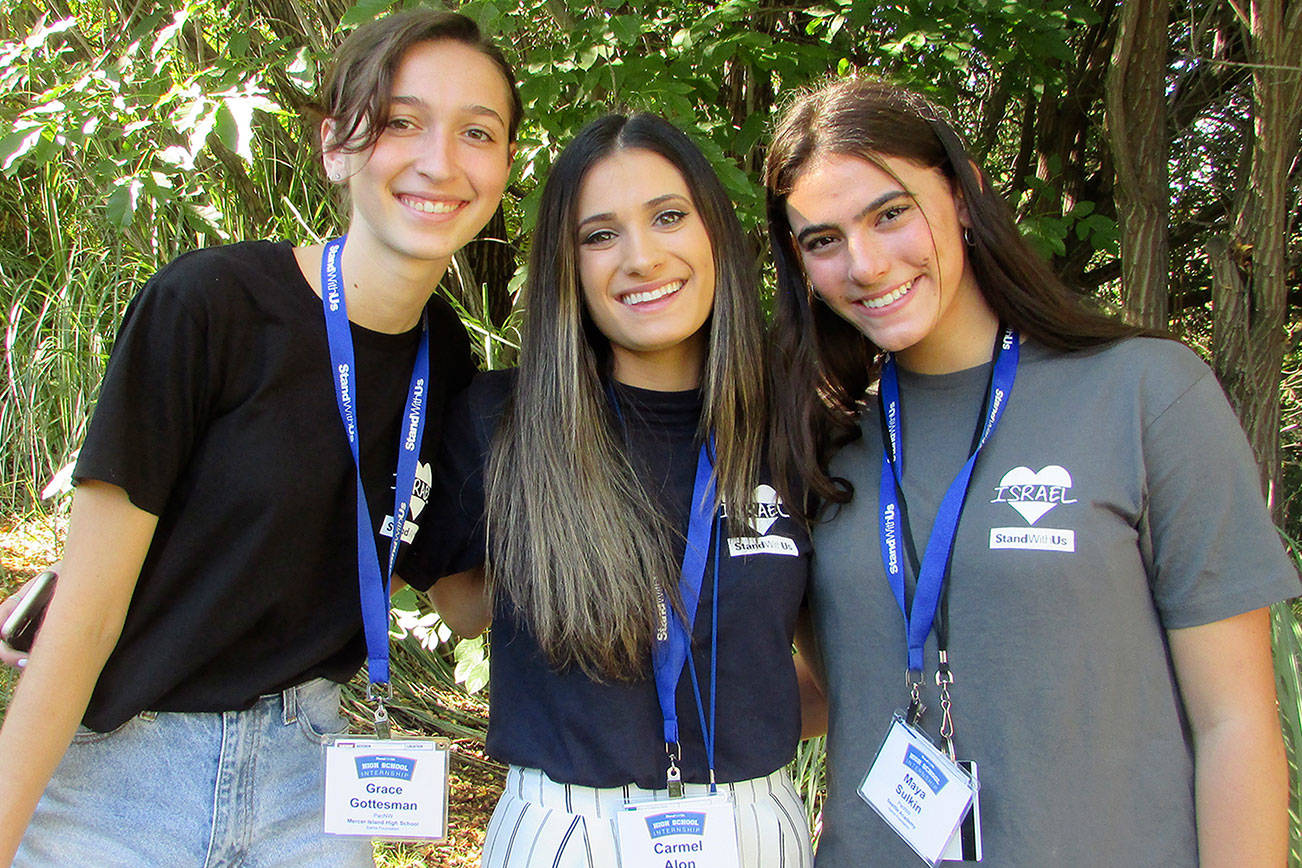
437,172
883,247
646,267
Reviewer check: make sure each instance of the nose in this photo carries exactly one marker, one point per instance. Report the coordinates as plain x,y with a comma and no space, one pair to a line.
867,259
643,252
435,155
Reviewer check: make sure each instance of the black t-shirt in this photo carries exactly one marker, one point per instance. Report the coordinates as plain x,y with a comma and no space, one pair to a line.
580,731
218,415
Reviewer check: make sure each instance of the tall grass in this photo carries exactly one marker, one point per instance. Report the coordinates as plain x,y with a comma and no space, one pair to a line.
58,326
809,773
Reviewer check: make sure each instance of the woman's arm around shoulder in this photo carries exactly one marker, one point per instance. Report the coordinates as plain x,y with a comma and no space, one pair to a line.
461,600
108,538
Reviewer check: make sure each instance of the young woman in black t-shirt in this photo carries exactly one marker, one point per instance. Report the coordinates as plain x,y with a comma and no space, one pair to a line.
640,373
208,601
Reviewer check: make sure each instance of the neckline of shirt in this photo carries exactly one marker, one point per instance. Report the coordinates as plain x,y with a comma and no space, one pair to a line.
679,410
310,302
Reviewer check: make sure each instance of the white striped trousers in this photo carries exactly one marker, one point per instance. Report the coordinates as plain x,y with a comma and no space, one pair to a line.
539,823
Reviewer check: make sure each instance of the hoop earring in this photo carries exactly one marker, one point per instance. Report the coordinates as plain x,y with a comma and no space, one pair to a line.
968,238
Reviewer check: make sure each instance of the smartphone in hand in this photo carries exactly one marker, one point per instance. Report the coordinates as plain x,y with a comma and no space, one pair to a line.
19,629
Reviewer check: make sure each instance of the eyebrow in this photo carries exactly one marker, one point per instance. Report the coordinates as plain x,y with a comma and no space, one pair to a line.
872,206
473,108
651,203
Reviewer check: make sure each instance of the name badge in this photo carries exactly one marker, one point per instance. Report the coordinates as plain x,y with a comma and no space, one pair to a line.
678,833
917,790
387,788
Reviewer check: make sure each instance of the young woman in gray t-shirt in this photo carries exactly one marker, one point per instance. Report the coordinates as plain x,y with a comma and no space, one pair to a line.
1074,500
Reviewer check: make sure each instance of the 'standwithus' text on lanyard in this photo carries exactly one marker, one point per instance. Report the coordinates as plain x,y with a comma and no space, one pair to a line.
373,583
933,571
673,641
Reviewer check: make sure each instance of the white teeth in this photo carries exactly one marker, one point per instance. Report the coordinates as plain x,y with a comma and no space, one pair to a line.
652,294
894,295
426,206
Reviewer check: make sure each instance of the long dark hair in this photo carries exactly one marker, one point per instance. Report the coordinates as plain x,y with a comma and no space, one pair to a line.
575,542
822,365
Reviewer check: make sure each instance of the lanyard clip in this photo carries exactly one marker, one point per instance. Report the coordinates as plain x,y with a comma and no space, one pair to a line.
944,678
673,777
380,697
914,678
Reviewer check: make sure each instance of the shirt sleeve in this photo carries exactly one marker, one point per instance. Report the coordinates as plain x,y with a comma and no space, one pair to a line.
452,539
1213,550
156,391
451,344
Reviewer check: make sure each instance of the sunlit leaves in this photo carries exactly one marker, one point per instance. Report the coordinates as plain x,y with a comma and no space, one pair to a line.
302,69
18,143
365,10
167,34
121,206
234,120
472,664
135,110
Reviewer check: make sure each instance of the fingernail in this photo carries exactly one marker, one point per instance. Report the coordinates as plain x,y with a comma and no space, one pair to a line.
22,662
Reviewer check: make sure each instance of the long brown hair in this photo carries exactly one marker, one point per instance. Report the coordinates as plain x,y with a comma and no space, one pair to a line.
822,365
575,542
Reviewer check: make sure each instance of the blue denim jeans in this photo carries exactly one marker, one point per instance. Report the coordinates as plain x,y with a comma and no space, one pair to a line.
219,790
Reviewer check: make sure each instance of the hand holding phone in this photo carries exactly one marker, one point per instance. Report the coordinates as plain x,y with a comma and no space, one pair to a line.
20,628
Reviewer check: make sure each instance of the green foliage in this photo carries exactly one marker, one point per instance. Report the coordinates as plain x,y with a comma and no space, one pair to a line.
808,770
1286,634
422,672
129,140
130,135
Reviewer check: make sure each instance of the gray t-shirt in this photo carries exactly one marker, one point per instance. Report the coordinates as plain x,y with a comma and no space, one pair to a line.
1117,500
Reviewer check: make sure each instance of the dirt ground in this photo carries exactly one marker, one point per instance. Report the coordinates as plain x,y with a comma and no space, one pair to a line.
28,545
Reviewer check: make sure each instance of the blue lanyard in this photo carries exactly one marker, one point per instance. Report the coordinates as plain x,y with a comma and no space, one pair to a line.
673,642
708,732
918,618
374,585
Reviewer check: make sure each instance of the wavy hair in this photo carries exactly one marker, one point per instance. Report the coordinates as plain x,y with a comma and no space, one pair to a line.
822,365
576,544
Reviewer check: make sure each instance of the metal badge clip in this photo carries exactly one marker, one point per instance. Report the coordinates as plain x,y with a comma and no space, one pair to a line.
380,696
913,678
673,778
944,678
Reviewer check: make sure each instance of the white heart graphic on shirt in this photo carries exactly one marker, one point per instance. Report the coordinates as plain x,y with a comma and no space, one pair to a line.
420,489
1044,482
766,509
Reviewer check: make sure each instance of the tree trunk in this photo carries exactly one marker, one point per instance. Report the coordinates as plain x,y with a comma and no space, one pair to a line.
1250,298
1136,128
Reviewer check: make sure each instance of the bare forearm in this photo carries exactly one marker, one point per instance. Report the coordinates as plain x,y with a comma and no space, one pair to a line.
1240,778
1241,789
39,724
813,702
810,678
107,542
